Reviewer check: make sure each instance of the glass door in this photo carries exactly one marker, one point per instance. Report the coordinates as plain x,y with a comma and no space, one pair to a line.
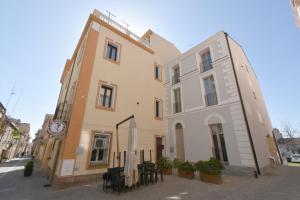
219,146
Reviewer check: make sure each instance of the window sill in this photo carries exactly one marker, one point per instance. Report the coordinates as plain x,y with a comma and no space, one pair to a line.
159,80
113,61
158,118
105,108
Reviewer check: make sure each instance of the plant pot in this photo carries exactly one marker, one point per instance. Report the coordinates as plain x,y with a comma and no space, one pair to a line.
167,171
185,174
27,173
216,179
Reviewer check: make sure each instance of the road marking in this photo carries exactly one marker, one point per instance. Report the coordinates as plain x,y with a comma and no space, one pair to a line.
8,189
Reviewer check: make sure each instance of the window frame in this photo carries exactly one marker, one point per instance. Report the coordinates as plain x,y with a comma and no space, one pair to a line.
117,45
204,52
160,117
174,100
114,88
159,78
206,92
93,165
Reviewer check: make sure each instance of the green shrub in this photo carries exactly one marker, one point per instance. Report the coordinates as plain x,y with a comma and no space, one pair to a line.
164,163
28,168
177,163
186,167
213,166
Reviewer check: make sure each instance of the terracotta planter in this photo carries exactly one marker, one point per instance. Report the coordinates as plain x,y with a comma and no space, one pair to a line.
216,179
167,171
184,174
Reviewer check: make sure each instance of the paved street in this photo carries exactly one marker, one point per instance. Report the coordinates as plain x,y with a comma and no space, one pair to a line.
282,183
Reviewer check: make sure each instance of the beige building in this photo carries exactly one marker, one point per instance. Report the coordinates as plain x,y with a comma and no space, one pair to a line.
112,74
43,144
296,11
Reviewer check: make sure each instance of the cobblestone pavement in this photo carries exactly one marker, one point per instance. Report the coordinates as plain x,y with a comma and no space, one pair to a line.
280,183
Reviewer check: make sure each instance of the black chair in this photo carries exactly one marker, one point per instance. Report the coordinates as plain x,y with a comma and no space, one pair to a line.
113,179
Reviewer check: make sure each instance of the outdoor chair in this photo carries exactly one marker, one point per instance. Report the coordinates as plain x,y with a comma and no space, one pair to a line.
113,179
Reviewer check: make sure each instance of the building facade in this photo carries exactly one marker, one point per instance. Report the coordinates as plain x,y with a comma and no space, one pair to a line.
296,11
215,107
112,74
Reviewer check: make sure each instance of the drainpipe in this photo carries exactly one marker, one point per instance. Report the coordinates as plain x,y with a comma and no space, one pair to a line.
278,151
243,108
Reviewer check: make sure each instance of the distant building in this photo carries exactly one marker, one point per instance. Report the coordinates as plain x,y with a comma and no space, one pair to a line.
289,146
296,11
44,144
9,140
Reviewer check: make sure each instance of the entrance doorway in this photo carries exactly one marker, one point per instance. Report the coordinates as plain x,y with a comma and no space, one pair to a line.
179,142
219,146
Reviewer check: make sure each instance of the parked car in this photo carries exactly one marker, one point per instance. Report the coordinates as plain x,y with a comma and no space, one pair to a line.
295,158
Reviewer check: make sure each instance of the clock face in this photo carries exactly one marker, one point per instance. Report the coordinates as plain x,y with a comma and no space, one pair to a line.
56,127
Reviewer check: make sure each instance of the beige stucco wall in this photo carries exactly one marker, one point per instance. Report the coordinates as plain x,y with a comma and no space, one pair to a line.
136,90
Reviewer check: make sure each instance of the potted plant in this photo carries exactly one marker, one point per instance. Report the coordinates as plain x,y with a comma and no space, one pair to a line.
28,168
186,170
165,165
210,171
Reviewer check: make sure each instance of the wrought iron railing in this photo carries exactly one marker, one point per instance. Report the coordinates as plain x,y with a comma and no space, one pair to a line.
206,65
211,98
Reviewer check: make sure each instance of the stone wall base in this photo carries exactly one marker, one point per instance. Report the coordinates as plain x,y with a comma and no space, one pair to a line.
70,181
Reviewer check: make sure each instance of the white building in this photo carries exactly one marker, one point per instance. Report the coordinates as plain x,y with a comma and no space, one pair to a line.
215,107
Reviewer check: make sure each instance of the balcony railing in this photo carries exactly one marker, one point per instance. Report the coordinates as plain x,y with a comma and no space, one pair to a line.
175,79
124,30
206,65
177,107
211,98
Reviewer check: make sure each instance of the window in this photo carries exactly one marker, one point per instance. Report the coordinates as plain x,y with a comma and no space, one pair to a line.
177,100
158,109
210,89
100,148
112,51
206,62
106,96
176,75
157,72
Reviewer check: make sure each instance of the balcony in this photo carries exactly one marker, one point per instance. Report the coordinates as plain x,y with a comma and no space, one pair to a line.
211,99
177,107
175,79
122,29
206,65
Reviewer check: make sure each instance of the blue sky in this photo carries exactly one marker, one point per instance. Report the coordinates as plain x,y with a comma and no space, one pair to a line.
37,37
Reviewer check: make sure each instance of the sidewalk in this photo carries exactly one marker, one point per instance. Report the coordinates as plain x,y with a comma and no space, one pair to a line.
281,183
